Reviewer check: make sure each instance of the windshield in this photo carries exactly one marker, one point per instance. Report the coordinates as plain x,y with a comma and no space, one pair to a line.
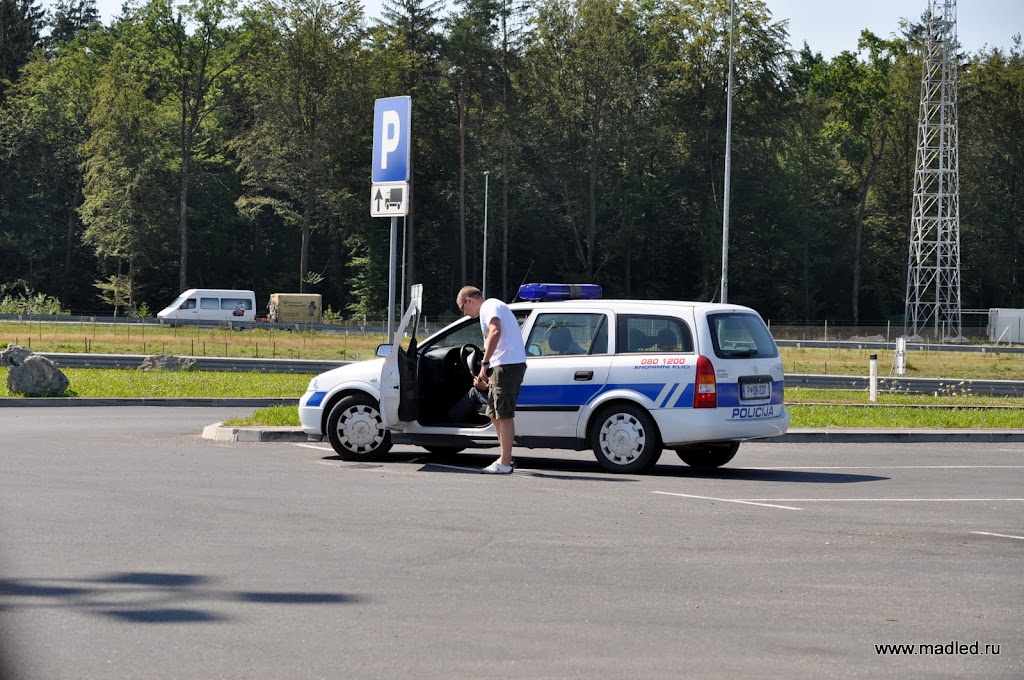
738,335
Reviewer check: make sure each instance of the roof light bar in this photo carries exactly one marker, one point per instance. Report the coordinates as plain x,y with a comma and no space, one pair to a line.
560,291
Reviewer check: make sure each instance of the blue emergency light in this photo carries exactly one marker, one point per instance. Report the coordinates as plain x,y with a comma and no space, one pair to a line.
559,291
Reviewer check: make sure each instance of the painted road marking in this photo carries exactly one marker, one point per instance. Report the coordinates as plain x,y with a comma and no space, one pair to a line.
884,467
989,533
315,447
880,500
726,500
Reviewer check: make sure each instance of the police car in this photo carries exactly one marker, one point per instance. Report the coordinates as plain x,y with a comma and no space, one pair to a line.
625,378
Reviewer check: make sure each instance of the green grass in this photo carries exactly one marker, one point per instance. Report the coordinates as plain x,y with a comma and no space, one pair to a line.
273,416
810,395
903,417
127,384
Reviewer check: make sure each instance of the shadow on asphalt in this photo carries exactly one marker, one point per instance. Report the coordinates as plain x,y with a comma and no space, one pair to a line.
470,463
146,597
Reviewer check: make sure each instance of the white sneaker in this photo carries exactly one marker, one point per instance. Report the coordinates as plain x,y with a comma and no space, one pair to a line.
497,468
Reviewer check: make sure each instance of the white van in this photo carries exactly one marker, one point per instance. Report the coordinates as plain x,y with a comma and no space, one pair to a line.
211,304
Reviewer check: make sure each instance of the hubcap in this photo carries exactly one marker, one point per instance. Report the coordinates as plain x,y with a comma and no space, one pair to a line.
622,438
359,429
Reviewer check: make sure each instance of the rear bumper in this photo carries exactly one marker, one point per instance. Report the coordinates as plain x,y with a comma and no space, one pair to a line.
733,423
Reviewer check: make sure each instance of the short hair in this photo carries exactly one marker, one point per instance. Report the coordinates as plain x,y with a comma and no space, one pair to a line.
467,292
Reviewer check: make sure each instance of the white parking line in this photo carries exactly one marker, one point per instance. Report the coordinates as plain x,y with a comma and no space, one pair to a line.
314,446
726,500
989,533
884,467
882,500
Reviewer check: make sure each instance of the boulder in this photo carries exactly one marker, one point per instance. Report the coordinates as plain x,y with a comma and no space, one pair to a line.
31,374
14,355
167,362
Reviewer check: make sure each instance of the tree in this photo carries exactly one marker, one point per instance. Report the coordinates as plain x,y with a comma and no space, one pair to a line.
71,17
197,48
305,74
860,123
992,177
49,109
20,23
587,85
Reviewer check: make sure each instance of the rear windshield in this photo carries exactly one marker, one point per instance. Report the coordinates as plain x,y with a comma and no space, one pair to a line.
736,335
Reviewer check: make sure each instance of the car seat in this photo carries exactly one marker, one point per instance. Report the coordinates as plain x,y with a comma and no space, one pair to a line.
560,339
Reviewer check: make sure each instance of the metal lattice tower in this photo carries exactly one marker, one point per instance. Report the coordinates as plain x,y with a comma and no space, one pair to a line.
933,266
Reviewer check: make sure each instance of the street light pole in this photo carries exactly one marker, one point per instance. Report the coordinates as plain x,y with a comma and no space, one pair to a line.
487,175
728,164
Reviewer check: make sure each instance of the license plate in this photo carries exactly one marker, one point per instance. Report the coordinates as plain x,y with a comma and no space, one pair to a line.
755,390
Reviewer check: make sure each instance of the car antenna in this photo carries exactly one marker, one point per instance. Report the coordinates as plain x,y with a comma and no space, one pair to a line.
524,280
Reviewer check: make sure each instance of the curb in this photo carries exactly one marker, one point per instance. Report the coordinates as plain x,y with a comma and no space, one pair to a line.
218,432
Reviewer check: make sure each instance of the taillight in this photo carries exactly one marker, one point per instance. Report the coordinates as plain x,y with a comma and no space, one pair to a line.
706,393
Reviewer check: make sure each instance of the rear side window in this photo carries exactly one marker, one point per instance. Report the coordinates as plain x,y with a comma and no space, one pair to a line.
236,303
568,334
646,334
739,335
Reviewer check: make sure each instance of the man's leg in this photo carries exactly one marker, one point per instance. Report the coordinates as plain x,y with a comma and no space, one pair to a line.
506,430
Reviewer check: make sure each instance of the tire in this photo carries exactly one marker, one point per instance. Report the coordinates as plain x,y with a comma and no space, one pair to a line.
625,439
707,456
356,430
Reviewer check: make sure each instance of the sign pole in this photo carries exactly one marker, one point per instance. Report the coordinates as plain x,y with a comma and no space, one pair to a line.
389,189
391,280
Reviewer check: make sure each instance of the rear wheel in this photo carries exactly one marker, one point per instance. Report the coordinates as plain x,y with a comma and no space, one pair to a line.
707,456
356,430
625,439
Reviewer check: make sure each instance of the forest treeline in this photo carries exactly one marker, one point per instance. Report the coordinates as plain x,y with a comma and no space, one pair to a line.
215,144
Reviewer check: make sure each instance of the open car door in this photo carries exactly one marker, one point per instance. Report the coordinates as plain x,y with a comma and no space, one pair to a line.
399,403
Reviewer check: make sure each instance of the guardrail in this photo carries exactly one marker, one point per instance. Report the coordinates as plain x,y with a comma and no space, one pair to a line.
944,386
941,386
911,346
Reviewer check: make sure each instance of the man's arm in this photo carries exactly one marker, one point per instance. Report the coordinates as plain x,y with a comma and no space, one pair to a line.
490,344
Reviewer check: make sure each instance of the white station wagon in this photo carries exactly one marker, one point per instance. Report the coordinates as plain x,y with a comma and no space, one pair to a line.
625,378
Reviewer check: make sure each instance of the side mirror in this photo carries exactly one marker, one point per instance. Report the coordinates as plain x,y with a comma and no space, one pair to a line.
533,350
383,350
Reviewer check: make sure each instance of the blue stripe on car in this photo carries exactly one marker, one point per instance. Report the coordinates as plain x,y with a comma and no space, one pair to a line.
580,395
315,398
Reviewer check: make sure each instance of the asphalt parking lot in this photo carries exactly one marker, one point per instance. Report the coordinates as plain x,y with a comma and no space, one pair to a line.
147,551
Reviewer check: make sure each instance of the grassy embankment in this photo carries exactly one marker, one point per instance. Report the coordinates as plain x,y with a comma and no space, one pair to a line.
810,408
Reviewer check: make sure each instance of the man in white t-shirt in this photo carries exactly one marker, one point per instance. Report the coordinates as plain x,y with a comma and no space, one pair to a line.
504,365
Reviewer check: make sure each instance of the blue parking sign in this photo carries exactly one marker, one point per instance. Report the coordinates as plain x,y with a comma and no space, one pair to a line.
392,134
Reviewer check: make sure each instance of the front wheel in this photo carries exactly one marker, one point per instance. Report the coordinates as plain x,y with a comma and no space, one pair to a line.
625,439
707,456
356,430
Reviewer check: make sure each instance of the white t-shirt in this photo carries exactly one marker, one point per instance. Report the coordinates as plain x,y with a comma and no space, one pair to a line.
510,348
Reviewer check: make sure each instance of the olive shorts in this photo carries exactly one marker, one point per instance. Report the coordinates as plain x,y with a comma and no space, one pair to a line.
505,383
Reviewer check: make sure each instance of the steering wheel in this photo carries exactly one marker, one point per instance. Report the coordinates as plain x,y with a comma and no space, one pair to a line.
471,357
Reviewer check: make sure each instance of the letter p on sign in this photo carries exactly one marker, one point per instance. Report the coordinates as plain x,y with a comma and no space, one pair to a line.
392,133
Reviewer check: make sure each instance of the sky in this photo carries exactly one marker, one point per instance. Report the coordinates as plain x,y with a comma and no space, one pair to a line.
831,26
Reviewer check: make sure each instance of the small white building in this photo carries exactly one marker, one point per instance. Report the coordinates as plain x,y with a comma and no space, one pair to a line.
1006,325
